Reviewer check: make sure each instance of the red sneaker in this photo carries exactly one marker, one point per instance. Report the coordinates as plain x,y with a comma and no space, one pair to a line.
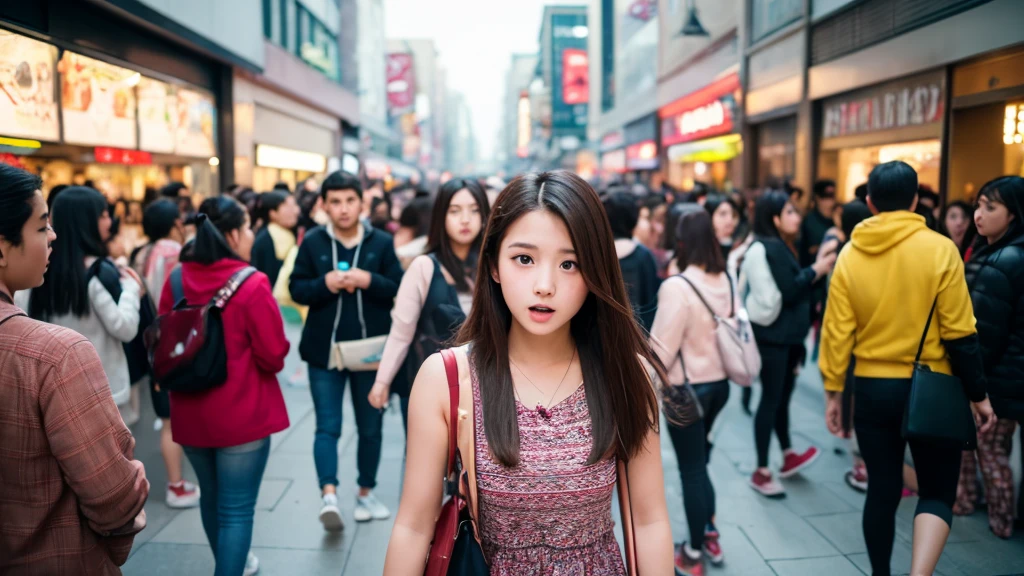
713,549
767,485
794,463
687,566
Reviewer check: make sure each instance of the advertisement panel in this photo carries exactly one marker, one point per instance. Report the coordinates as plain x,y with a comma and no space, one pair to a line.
195,130
575,76
401,82
642,155
157,114
524,125
568,37
908,102
710,111
97,102
28,106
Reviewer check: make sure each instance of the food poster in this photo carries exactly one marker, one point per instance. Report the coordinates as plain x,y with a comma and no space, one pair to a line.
194,125
98,102
28,106
157,115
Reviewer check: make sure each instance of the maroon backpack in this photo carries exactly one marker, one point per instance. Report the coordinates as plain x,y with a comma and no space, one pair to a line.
186,345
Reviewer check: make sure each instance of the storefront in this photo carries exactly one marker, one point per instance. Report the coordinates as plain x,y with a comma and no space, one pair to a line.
77,119
699,136
642,154
280,140
987,122
613,155
901,120
774,92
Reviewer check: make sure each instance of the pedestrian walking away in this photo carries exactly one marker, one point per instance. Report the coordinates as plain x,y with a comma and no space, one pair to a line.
684,339
436,291
71,492
348,275
778,298
545,361
908,278
639,268
995,278
225,430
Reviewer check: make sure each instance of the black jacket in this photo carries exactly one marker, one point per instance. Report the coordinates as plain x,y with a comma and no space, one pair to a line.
795,283
995,277
640,273
264,257
308,287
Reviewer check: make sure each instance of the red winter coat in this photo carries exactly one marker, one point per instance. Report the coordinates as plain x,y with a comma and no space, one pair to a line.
249,405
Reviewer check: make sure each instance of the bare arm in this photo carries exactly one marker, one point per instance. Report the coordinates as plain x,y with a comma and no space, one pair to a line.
426,459
651,527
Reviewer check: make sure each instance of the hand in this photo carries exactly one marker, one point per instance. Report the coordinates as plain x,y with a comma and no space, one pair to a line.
335,281
827,248
359,278
983,415
834,414
379,395
127,272
824,264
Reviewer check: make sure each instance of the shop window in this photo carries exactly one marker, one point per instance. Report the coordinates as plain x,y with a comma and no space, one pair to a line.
850,167
985,142
767,16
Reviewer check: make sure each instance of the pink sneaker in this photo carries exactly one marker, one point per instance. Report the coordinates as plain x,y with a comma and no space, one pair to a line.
793,463
713,549
767,485
182,495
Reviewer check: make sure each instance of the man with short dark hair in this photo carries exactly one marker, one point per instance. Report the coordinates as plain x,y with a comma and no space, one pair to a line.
348,275
817,221
889,279
639,268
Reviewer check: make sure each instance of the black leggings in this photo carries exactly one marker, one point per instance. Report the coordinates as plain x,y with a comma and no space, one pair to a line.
878,418
778,378
693,451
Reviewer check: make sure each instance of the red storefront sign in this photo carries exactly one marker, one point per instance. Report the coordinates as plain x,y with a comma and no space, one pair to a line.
710,111
401,81
642,155
107,155
912,102
575,76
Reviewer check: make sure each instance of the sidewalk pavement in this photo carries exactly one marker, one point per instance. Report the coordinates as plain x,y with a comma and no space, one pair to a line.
816,530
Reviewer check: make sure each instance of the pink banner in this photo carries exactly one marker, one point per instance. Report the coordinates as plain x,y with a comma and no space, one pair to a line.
401,82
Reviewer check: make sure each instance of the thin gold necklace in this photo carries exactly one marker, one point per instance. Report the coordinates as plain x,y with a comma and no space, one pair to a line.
543,409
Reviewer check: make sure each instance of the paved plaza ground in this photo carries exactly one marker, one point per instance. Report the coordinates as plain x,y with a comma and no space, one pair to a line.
816,530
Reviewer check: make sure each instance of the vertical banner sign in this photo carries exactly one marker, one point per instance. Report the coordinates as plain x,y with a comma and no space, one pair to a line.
570,81
401,83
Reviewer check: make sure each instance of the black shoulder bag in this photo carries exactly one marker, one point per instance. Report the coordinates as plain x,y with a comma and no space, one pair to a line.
938,408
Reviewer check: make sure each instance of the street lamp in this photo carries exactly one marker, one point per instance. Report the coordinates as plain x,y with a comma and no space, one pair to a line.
693,27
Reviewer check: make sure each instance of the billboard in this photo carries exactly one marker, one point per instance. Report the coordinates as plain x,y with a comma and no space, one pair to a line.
570,79
710,111
29,107
401,82
98,102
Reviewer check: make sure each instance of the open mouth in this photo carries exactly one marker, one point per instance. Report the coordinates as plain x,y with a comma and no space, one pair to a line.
541,313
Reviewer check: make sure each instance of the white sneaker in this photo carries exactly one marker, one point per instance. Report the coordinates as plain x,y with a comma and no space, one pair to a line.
369,508
252,565
183,494
330,516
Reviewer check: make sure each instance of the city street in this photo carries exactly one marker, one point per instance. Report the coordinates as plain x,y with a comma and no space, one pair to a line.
816,530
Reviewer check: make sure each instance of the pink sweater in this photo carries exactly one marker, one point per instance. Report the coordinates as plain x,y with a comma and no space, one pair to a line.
682,323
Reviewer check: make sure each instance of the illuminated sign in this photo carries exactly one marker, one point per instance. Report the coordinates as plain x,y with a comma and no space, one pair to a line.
107,155
524,125
913,102
642,155
710,111
288,159
575,76
614,162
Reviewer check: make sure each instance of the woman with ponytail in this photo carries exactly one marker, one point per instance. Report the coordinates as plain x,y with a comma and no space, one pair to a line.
226,430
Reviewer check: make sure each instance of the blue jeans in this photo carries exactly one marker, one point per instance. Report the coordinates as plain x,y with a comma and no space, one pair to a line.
328,389
230,481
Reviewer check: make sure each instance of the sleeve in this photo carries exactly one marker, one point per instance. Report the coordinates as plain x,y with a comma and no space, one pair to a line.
412,293
265,327
792,287
263,255
764,302
384,284
308,287
995,315
957,329
669,321
120,319
838,333
94,449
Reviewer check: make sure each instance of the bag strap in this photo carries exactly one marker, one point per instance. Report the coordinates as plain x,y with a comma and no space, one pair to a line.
451,368
920,346
628,532
221,298
177,288
732,296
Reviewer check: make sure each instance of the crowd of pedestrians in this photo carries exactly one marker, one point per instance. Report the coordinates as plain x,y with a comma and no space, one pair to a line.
576,316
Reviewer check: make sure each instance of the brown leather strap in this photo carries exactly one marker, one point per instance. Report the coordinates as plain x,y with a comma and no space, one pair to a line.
451,368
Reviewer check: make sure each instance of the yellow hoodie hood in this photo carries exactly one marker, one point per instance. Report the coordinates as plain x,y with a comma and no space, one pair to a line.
880,233
881,292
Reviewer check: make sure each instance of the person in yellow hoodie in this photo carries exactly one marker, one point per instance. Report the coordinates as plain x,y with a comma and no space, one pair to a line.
886,281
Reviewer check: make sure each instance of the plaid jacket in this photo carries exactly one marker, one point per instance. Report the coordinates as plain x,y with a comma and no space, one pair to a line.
71,496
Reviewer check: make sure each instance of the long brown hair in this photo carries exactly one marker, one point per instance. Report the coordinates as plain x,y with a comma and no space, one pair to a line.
622,401
437,239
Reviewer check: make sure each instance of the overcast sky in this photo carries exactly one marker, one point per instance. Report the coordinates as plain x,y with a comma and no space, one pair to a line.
475,40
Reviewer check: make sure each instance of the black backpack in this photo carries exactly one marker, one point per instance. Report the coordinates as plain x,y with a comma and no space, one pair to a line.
135,351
